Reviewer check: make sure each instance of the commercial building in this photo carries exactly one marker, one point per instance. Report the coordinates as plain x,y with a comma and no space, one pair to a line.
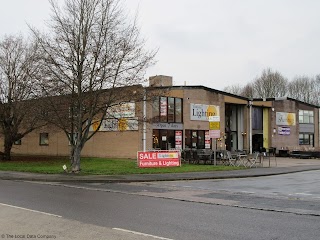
183,117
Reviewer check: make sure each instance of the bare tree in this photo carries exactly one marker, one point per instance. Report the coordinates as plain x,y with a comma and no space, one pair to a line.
314,98
90,55
301,88
234,89
247,91
270,84
18,112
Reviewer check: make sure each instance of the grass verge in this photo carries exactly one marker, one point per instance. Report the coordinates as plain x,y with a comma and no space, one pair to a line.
102,166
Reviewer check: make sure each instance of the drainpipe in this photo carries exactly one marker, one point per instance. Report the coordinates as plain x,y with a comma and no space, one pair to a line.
250,126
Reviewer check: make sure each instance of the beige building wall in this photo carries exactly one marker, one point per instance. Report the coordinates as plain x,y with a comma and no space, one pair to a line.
291,141
104,144
285,141
126,144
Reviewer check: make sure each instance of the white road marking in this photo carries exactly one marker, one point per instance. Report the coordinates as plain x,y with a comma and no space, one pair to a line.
247,192
305,194
141,234
30,210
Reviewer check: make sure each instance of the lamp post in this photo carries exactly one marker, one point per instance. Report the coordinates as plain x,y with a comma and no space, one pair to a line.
144,131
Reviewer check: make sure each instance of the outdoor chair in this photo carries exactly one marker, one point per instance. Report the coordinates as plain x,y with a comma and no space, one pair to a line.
224,158
231,160
195,157
186,155
254,160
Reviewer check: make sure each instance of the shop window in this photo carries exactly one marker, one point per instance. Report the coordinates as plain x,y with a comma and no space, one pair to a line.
188,140
44,139
166,139
306,139
171,109
306,116
155,138
163,109
257,118
195,139
178,110
155,110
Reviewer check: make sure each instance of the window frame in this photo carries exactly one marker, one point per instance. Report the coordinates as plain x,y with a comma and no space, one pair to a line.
306,116
44,139
18,142
306,139
167,110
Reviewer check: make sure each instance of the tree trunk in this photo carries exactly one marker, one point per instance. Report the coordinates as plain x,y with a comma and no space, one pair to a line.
7,148
75,158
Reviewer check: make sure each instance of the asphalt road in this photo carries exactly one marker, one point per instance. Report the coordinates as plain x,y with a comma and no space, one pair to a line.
163,210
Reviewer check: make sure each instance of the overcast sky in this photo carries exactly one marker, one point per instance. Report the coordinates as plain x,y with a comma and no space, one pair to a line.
215,43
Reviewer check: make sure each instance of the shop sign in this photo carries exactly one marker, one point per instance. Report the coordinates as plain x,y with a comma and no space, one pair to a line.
122,110
214,118
157,159
284,130
168,126
112,125
214,133
207,140
202,112
214,125
286,119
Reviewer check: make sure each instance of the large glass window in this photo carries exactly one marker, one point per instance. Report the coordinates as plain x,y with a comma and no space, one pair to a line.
178,110
306,116
257,118
171,109
167,109
164,139
195,139
155,110
306,139
163,109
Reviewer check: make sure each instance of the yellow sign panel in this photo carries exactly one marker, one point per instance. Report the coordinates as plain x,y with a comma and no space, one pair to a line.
214,125
95,125
123,124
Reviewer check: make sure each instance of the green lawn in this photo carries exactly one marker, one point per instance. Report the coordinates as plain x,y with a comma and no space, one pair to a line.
101,166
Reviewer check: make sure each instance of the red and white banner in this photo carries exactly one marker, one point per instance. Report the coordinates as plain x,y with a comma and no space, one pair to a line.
178,140
161,158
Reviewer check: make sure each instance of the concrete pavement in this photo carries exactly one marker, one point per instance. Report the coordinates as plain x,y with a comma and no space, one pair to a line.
277,166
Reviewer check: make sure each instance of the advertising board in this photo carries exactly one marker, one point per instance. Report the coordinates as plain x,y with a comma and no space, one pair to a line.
202,112
286,119
157,159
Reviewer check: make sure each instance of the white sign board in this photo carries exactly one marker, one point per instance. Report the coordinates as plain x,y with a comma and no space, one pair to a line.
214,133
285,119
214,118
201,112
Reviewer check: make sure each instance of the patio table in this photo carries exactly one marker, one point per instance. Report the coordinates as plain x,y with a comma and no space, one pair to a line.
242,160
